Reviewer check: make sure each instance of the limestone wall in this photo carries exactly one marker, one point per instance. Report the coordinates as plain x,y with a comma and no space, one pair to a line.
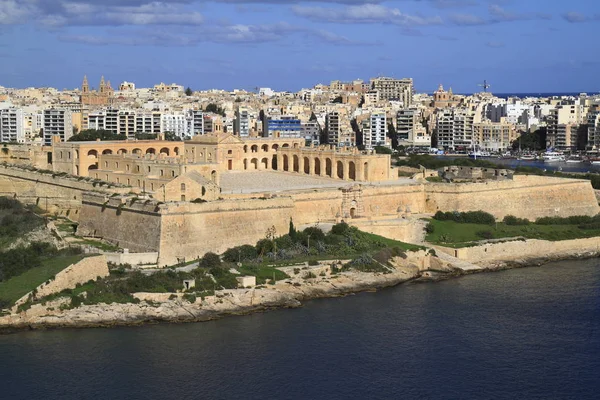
525,197
132,226
57,194
90,268
132,258
520,249
190,230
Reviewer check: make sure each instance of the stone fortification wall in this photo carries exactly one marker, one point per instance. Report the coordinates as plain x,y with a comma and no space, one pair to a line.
186,230
521,249
190,230
90,268
59,194
132,258
525,197
132,226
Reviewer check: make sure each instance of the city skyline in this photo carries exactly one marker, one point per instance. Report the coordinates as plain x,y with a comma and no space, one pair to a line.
532,47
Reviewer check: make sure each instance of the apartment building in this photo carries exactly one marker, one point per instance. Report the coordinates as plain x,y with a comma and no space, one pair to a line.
593,128
338,128
242,122
563,125
148,122
57,123
454,129
375,130
283,126
127,125
494,136
12,129
394,89
175,123
409,130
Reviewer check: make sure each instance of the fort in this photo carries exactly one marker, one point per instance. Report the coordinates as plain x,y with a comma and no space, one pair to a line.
182,200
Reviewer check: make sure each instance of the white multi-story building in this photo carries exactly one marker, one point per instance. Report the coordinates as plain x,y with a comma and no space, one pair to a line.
12,128
195,122
563,125
148,122
375,129
593,129
242,122
57,123
127,123
311,131
175,123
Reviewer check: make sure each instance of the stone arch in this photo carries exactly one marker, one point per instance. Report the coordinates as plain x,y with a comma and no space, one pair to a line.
366,171
254,163
317,166
122,151
213,176
274,163
296,163
254,148
352,171
93,154
245,163
176,151
328,167
286,166
265,147
164,150
137,151
275,147
264,163
151,150
76,153
340,170
306,166
245,148
92,167
77,170
107,151
285,145
296,145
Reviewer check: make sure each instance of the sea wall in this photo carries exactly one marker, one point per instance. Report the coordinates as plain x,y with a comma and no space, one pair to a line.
522,249
524,197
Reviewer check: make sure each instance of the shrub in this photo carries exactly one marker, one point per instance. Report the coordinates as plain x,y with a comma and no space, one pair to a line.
469,217
265,246
284,242
512,220
210,260
485,234
340,229
430,228
240,253
189,297
313,262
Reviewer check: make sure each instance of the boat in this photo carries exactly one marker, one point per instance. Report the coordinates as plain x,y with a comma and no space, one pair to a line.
595,160
553,156
479,154
527,157
574,160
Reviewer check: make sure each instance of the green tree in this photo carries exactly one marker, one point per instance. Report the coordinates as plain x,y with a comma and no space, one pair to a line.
210,260
382,150
88,135
292,229
392,134
188,91
214,108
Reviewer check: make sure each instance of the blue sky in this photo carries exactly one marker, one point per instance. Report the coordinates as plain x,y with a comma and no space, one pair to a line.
517,45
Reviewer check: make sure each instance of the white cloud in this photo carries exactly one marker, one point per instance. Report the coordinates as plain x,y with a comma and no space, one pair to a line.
365,14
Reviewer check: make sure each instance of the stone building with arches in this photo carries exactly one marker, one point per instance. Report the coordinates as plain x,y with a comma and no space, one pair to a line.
81,158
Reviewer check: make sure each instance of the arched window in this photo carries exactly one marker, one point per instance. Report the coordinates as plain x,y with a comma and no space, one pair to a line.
172,174
162,172
183,187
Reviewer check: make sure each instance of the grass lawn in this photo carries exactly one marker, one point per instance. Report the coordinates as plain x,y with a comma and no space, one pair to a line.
455,234
18,286
98,244
393,243
263,273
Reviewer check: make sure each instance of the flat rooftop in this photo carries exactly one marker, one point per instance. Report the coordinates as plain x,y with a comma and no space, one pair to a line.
233,182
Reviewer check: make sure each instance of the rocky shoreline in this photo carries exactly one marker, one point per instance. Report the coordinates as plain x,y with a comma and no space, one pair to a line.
290,293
